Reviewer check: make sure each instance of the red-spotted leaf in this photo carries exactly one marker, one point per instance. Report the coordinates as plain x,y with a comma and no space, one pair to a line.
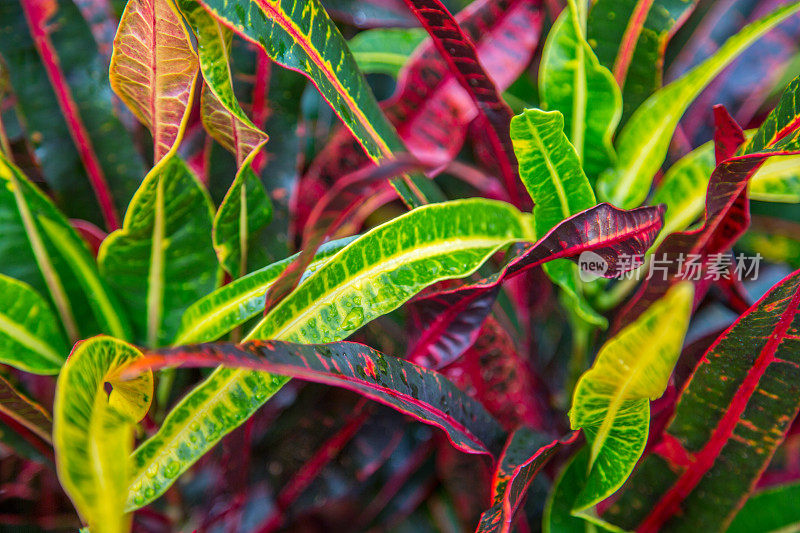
416,391
728,421
524,455
605,230
727,213
461,57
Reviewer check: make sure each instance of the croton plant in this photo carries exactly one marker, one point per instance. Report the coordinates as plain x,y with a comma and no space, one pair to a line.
542,272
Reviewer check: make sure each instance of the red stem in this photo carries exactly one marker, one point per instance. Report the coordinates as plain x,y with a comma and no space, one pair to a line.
36,15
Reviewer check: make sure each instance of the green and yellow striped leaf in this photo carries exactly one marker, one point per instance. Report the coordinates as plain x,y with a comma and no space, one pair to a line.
30,335
154,69
371,276
242,216
572,81
552,174
642,145
385,50
302,37
93,430
611,400
40,248
162,260
230,306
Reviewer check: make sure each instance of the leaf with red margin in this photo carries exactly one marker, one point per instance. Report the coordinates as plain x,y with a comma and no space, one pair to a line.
461,57
154,70
727,214
603,229
24,411
429,108
423,394
728,135
729,419
493,372
524,455
630,38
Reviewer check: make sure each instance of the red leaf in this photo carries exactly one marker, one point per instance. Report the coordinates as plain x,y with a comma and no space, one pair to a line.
728,135
416,391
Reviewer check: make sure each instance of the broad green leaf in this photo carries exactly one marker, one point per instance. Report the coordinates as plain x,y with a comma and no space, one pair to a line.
30,335
643,143
233,304
40,248
552,174
772,510
385,50
154,70
93,430
162,259
301,36
572,81
220,111
611,400
371,276
244,213
558,516
778,180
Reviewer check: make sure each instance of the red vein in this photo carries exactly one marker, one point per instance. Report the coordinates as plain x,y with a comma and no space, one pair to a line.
36,15
705,458
629,40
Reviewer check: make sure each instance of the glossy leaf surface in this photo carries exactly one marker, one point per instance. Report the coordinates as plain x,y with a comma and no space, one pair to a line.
642,145
93,430
30,335
611,400
729,418
162,259
154,69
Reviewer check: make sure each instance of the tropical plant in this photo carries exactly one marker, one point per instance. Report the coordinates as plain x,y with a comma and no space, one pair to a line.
527,289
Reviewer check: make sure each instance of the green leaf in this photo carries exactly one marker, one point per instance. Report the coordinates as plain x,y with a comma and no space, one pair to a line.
558,517
643,143
778,180
572,81
30,336
301,36
244,213
221,113
552,174
40,248
233,304
93,430
163,258
385,50
154,70
773,510
369,277
611,400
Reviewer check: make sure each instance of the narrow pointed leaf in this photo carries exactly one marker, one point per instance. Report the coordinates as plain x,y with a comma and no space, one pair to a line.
301,36
162,259
729,419
25,411
220,111
373,275
524,455
611,400
93,430
30,335
154,69
552,174
40,248
642,145
416,391
630,37
232,305
461,56
244,213
572,81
